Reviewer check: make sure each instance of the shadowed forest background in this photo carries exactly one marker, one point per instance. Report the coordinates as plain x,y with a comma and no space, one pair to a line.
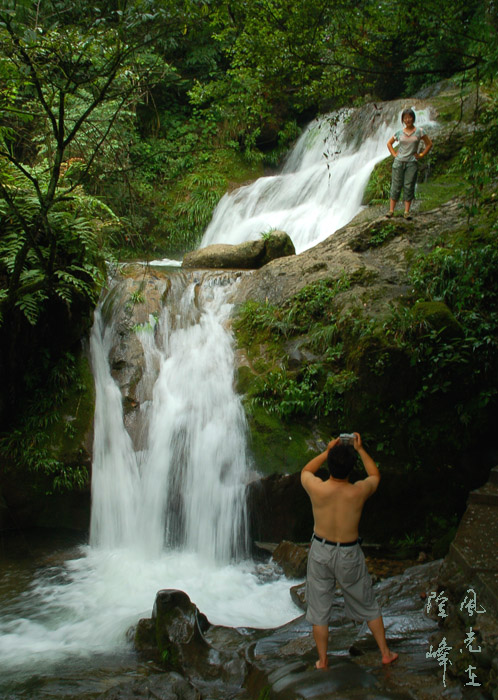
122,125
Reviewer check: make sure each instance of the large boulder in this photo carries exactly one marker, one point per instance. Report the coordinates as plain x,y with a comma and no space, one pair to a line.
174,633
279,509
175,638
246,256
293,558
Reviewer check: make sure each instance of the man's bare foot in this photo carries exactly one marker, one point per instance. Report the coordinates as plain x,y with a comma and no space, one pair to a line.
389,658
322,666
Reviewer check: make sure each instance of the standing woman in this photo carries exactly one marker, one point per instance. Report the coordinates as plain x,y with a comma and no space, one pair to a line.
405,166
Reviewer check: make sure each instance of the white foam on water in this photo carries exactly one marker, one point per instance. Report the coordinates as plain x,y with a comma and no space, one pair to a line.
170,514
86,606
165,262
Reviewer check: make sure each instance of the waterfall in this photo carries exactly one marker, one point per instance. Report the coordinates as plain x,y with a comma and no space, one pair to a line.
168,507
321,186
168,492
115,469
186,488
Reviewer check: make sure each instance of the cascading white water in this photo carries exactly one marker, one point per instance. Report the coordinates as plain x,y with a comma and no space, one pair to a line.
168,506
186,488
321,185
114,470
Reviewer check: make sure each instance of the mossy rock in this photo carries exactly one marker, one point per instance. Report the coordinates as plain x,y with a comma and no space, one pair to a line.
145,639
385,377
436,315
277,447
448,103
244,379
378,234
445,150
68,435
278,244
51,487
379,183
179,628
363,277
439,191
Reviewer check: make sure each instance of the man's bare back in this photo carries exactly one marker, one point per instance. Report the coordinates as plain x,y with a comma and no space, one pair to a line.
337,508
337,504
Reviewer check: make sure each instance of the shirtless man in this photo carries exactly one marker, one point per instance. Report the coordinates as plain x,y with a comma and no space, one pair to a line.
335,553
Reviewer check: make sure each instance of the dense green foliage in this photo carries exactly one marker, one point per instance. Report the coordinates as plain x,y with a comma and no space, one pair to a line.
69,84
445,331
122,125
421,380
317,389
47,437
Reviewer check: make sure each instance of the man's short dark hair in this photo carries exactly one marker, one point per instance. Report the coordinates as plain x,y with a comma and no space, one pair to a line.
341,460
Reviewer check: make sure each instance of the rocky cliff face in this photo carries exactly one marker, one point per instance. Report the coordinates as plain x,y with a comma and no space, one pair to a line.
373,381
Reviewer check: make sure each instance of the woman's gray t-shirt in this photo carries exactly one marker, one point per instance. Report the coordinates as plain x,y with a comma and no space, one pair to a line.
408,145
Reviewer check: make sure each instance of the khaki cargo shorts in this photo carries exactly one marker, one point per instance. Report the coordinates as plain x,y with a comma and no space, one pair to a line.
346,566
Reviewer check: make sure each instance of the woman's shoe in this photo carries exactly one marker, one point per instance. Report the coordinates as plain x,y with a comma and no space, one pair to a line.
407,215
389,214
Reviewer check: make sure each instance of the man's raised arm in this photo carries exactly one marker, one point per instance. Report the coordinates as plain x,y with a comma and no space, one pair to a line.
373,478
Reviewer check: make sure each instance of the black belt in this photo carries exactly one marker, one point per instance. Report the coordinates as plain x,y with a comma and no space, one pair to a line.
336,544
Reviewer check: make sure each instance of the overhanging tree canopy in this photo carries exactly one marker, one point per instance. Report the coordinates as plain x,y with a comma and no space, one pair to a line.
70,79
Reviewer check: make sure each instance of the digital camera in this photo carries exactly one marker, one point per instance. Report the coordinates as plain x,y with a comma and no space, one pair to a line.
347,438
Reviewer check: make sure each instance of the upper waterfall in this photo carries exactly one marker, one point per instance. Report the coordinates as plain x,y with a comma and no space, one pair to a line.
321,185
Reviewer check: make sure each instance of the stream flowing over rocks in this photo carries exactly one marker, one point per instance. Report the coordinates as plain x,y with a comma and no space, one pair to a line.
221,662
225,622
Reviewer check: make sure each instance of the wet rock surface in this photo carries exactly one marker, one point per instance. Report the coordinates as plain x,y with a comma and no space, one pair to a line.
279,664
279,508
292,558
170,686
174,638
465,601
288,655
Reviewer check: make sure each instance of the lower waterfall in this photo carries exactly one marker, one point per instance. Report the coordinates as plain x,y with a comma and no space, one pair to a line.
185,486
168,497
